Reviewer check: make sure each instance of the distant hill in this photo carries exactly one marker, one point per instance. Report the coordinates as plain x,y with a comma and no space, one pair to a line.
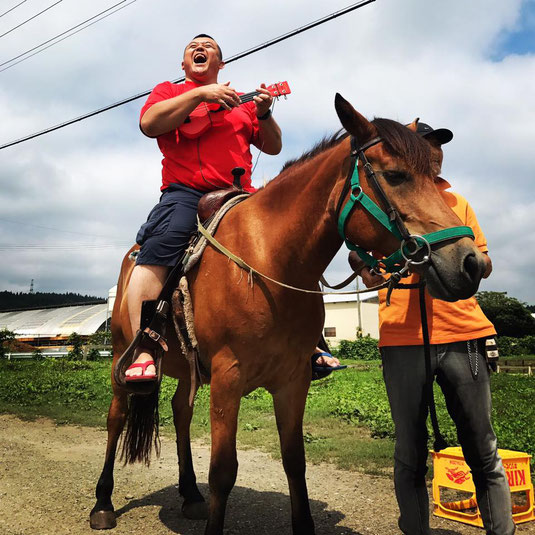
12,300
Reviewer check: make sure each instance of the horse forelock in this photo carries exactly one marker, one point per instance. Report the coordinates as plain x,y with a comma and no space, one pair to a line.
403,143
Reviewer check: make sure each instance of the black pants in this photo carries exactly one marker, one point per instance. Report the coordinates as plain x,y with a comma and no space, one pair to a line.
469,403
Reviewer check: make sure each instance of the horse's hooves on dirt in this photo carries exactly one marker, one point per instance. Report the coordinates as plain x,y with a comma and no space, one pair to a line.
195,510
103,520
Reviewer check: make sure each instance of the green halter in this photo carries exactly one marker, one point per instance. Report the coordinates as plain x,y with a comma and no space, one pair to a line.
410,243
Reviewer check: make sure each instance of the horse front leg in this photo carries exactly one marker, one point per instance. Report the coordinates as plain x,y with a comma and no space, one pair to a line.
289,404
103,516
225,394
194,506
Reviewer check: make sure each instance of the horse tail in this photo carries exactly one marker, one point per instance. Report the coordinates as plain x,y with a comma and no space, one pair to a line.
142,428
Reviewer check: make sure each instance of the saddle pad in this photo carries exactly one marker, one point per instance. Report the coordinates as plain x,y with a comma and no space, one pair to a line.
195,251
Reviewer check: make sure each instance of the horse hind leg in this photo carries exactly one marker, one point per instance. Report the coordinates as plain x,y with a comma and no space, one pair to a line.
289,404
102,515
194,506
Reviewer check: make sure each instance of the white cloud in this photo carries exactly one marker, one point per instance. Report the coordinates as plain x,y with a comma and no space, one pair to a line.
100,177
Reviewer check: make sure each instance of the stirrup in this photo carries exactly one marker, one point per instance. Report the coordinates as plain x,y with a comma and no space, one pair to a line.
151,340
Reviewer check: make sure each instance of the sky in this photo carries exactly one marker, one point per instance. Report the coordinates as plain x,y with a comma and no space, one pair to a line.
71,202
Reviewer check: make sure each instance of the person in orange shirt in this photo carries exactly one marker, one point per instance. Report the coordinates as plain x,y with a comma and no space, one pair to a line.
457,333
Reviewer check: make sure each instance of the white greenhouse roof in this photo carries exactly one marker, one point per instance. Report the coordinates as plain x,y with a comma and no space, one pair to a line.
52,322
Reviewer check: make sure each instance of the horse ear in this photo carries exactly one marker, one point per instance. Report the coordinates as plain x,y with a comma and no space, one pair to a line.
355,123
414,125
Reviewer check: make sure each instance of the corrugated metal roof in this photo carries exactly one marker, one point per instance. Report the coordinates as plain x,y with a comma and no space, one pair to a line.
52,322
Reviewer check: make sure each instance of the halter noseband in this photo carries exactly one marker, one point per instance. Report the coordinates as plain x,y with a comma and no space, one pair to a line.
411,244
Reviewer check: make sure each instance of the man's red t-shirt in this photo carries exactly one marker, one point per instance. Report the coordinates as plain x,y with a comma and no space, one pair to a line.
205,163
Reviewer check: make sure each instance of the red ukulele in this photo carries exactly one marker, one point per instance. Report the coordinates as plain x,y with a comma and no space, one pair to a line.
205,115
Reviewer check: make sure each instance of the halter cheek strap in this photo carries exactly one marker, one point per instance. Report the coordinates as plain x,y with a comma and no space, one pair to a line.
390,219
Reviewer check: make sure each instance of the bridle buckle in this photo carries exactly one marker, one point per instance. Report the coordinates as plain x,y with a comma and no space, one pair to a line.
419,242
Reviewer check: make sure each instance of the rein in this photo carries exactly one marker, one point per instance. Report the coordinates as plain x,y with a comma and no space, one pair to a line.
252,271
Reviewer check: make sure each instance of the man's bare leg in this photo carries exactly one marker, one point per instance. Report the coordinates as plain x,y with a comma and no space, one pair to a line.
145,284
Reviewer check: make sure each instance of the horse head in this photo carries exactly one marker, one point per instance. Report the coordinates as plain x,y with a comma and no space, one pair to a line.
397,170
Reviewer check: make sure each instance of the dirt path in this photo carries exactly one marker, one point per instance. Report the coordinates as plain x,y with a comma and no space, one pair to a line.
48,475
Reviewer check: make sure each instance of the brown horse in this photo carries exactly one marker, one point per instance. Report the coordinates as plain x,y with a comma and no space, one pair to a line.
262,335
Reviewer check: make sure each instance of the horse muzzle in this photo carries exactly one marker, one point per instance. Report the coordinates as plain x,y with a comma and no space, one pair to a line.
455,271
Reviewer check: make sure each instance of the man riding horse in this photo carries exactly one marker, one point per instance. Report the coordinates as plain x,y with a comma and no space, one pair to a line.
192,167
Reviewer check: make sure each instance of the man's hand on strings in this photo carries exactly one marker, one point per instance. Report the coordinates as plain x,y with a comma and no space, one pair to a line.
369,277
221,94
263,101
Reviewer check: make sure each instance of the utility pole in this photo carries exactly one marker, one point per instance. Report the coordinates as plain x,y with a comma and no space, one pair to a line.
359,327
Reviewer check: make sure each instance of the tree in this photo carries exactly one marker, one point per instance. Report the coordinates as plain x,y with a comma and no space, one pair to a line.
76,341
6,339
510,316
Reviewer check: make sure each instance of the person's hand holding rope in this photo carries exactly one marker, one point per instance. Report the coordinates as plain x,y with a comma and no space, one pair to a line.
369,277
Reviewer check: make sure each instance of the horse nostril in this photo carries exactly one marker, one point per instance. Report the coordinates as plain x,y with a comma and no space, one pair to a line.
472,267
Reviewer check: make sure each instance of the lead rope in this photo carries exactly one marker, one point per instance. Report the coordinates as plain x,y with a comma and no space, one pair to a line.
439,443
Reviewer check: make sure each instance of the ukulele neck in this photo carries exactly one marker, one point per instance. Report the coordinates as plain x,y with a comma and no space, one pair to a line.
247,97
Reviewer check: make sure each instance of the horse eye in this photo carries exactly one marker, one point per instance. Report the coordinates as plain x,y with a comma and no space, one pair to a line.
396,177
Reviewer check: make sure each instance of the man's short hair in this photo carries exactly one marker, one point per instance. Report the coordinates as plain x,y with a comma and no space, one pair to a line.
210,37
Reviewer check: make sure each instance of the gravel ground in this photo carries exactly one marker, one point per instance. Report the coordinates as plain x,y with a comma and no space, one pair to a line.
48,475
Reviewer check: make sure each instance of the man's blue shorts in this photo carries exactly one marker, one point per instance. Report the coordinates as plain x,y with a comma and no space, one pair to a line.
166,233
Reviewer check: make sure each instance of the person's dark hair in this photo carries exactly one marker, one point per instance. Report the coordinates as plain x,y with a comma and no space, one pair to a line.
210,37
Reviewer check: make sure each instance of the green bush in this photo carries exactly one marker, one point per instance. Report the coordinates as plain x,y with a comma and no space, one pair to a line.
364,348
509,346
92,354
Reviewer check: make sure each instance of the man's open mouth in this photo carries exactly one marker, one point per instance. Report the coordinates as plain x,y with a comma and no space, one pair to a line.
199,58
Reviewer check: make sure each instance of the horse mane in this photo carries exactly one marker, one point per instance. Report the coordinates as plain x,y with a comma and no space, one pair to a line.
321,146
399,141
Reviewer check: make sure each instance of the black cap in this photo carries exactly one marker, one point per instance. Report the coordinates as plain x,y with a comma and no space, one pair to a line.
442,135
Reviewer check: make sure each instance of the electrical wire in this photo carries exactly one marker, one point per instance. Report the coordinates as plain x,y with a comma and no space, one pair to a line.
11,9
62,33
262,46
66,247
52,228
31,18
62,39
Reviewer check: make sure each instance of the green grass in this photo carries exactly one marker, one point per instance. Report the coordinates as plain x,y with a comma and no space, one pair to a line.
519,357
347,418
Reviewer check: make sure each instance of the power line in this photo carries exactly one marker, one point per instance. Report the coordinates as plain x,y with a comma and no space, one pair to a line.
14,7
67,247
63,38
31,18
252,50
52,228
60,34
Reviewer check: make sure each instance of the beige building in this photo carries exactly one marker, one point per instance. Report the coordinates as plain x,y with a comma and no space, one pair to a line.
345,315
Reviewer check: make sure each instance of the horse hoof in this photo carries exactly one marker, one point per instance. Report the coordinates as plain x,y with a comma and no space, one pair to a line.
103,520
195,510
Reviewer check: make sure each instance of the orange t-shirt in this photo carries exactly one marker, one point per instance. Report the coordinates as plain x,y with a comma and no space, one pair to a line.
400,323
